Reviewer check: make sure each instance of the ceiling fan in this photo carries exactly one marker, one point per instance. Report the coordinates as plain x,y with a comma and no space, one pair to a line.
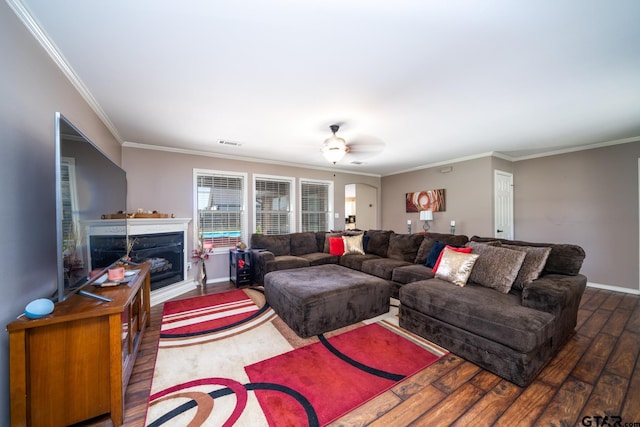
363,147
334,147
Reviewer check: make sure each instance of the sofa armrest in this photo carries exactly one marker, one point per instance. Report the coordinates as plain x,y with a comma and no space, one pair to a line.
553,293
559,295
259,258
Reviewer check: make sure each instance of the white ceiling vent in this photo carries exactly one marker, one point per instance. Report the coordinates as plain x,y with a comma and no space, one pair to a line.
230,143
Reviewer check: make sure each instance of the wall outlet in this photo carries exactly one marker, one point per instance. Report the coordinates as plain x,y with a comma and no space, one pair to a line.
189,266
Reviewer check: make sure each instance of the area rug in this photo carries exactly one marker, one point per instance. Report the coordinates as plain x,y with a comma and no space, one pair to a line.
228,359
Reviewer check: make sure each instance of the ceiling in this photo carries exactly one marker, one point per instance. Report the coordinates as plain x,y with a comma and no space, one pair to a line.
413,83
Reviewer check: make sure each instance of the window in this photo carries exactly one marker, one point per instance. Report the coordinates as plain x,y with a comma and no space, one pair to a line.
316,200
220,200
274,204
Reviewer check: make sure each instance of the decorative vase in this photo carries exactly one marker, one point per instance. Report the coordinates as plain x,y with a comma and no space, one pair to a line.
201,277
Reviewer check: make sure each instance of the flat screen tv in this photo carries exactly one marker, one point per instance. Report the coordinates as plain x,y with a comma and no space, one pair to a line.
89,185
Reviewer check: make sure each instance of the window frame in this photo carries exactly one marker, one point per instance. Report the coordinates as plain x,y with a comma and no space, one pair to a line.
292,198
244,221
330,201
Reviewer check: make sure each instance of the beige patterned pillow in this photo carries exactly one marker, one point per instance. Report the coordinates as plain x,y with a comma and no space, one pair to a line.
353,244
533,264
455,267
497,267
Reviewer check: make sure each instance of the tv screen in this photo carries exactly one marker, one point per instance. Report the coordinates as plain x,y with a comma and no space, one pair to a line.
88,186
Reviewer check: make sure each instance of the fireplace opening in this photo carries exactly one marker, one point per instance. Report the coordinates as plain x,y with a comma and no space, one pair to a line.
165,252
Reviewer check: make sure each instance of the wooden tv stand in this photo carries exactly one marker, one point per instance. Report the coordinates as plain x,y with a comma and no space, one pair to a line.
75,363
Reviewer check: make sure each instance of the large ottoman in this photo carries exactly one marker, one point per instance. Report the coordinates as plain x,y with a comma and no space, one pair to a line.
314,300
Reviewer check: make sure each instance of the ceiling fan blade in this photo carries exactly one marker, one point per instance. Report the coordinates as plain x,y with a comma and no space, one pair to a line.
364,147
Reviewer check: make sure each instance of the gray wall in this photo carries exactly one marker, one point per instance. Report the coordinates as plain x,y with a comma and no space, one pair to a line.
468,193
163,181
32,89
587,197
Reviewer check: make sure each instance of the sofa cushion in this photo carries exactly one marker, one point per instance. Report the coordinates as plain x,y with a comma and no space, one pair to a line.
533,264
303,243
436,250
320,258
336,246
431,238
378,242
365,242
326,240
353,244
455,266
464,250
382,267
285,262
497,267
563,258
481,311
320,238
354,261
404,246
277,244
411,273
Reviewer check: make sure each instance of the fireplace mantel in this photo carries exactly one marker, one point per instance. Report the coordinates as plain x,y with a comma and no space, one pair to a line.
115,227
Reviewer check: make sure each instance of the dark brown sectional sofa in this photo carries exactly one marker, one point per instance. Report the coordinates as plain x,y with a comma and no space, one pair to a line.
512,334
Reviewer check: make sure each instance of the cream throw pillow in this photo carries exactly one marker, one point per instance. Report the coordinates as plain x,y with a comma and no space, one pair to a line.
353,244
455,267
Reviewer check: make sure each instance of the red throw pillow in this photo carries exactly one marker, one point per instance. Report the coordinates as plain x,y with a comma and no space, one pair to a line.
336,246
453,248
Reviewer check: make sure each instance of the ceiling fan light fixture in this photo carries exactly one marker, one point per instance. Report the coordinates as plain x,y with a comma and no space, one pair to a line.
334,147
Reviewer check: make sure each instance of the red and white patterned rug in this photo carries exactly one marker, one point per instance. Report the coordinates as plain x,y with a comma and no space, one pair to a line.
228,359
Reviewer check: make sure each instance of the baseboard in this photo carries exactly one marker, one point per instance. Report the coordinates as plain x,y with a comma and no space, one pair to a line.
613,288
218,280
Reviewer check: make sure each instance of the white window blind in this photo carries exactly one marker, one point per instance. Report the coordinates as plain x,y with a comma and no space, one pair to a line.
70,220
220,209
273,205
315,206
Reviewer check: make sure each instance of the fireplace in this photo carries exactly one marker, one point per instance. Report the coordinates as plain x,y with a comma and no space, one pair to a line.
158,241
165,252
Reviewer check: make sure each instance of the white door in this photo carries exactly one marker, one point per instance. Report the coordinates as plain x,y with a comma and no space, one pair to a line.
503,204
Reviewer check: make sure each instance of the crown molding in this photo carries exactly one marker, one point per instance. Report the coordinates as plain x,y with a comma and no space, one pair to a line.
128,144
449,162
25,16
579,148
520,158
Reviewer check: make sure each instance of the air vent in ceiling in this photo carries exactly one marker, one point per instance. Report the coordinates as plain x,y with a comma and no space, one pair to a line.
355,162
230,143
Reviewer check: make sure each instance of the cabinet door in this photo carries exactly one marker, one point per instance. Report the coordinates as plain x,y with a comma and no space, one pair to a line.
69,372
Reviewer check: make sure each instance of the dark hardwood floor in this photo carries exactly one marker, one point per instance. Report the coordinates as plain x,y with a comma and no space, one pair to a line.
596,374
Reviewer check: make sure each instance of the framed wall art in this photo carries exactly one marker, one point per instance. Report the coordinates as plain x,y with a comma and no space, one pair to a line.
428,200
